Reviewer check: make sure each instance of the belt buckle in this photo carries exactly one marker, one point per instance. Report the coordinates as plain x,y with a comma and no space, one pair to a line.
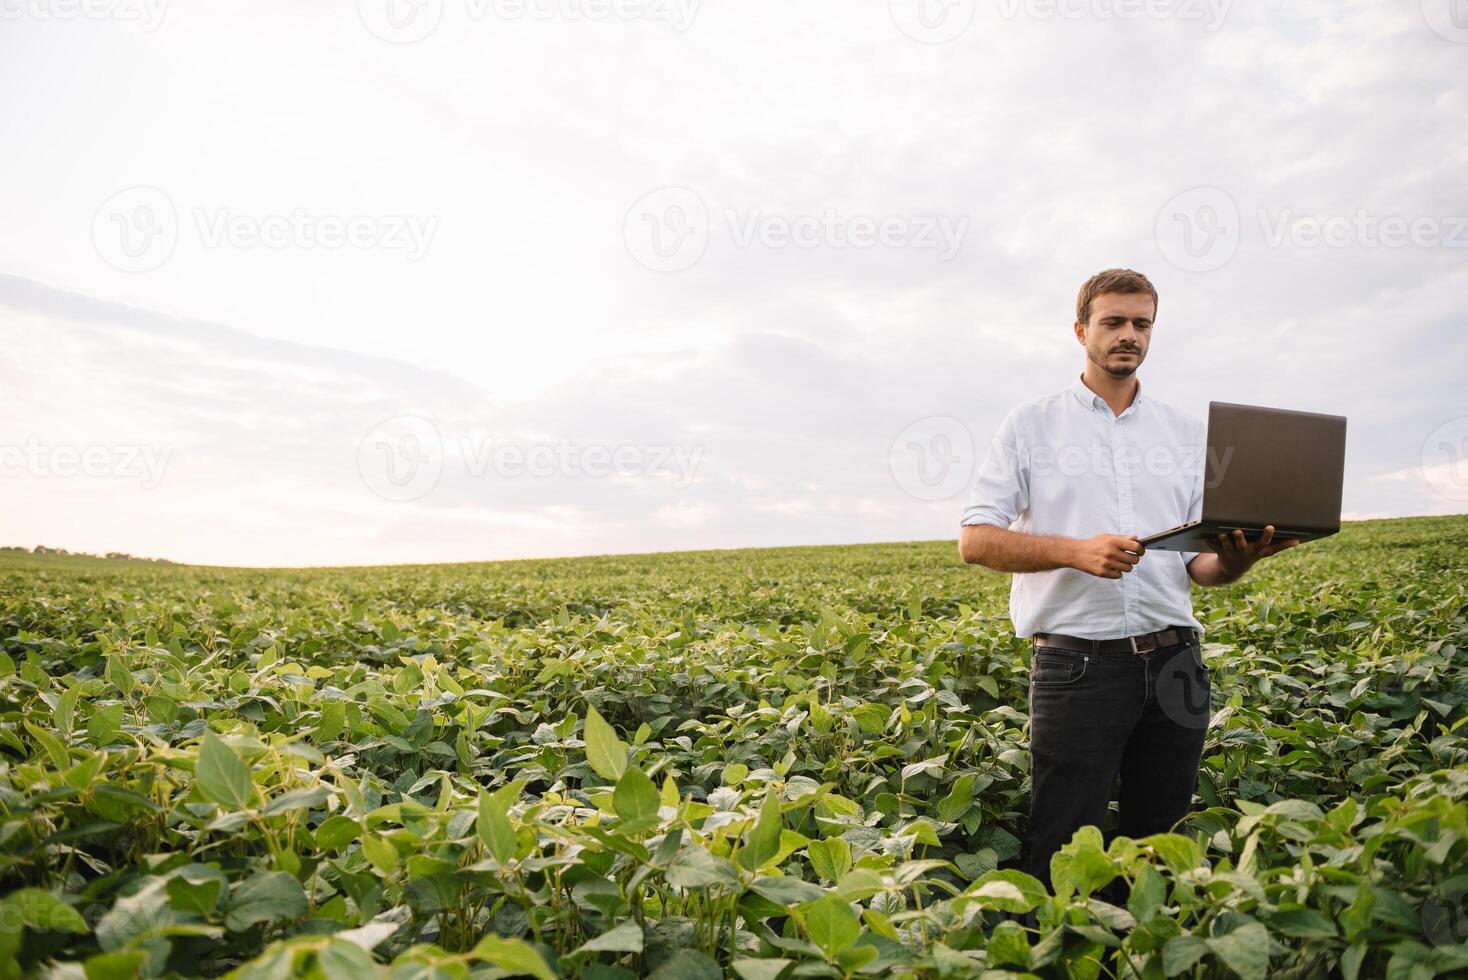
1135,651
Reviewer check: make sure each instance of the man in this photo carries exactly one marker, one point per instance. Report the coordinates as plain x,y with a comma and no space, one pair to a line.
1118,685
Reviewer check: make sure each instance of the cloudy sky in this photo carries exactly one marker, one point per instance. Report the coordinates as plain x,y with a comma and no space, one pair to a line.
423,280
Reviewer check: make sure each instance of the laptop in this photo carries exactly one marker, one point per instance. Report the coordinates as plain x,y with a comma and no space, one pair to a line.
1265,466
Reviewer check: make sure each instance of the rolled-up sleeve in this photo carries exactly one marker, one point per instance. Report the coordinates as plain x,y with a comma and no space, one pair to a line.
1001,491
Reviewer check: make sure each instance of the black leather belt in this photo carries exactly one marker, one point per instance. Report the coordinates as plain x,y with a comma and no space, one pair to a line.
1142,643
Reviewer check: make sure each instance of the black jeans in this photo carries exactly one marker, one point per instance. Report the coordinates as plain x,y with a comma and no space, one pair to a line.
1096,716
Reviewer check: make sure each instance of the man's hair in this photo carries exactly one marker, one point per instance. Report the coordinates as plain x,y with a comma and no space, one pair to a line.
1112,281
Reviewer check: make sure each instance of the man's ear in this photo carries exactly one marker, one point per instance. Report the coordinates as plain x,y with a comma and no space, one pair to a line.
1080,329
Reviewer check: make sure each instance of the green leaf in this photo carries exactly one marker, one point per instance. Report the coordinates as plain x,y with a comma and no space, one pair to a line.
1178,852
762,841
1245,950
195,889
831,925
297,799
66,708
971,866
760,969
39,909
333,719
140,913
859,884
687,964
1302,923
604,750
104,724
380,853
342,960
1411,961
337,832
265,897
786,891
82,775
959,798
853,958
220,774
1149,890
625,938
513,955
694,867
1009,945
122,965
119,675
1007,890
1181,952
831,858
1082,866
495,830
54,748
1004,844
635,797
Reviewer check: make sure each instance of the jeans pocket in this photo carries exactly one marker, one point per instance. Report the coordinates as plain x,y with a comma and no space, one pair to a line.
1053,669
1195,649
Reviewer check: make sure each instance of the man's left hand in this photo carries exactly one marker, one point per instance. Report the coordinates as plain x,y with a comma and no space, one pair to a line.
1237,555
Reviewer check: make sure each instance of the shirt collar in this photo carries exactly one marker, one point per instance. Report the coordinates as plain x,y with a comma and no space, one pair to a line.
1093,401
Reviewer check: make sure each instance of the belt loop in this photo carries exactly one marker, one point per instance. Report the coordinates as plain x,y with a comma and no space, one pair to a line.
1095,647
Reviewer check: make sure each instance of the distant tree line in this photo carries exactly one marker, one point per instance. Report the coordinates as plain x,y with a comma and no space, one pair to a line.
42,549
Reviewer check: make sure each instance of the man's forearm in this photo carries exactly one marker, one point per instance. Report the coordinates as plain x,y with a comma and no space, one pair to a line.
1207,569
1004,550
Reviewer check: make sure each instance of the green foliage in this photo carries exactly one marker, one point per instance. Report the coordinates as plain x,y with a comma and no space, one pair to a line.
758,764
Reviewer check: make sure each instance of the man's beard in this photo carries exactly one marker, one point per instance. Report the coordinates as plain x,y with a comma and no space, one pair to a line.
1124,370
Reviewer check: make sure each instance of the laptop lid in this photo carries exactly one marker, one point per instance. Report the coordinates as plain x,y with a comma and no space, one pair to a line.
1274,466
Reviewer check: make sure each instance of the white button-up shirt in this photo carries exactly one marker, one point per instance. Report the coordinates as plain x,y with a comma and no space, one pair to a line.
1064,464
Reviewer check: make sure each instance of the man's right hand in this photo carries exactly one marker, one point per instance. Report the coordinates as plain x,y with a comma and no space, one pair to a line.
1107,555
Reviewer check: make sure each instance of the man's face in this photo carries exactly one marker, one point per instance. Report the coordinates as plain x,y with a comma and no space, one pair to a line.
1116,339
